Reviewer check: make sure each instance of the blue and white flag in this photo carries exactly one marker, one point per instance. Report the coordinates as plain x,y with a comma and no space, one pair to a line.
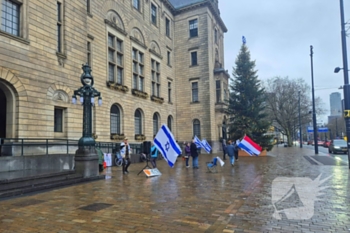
197,142
166,144
206,146
244,40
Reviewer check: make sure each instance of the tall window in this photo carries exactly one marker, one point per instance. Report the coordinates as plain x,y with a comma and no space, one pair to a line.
154,14
115,119
155,77
115,59
137,69
168,58
88,6
10,17
197,128
138,122
216,36
193,27
194,58
59,27
225,95
88,53
218,91
155,123
58,120
136,4
170,123
195,92
169,92
167,27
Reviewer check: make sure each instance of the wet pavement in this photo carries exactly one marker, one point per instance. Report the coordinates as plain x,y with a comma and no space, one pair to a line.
235,199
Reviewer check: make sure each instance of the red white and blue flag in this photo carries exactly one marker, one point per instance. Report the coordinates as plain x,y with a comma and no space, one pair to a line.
249,146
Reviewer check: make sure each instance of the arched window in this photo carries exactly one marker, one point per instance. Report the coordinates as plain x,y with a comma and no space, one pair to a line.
115,119
138,122
155,123
170,122
196,128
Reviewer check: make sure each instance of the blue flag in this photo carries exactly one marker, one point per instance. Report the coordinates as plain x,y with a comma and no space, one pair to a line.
166,144
198,142
206,146
244,40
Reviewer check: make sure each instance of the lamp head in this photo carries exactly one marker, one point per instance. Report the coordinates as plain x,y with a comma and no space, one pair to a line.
86,78
337,69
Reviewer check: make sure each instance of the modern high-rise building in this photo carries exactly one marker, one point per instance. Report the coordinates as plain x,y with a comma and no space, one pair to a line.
154,61
335,104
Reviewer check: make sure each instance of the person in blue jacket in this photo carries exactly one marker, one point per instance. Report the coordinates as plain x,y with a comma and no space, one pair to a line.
154,155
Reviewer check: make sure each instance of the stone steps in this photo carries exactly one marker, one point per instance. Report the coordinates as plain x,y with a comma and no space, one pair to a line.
40,181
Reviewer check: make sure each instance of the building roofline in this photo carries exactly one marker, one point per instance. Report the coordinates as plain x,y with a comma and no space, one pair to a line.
192,6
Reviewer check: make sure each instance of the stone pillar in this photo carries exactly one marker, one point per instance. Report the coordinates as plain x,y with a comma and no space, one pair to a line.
86,162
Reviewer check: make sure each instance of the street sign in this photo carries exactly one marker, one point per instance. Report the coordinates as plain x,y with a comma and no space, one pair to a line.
310,129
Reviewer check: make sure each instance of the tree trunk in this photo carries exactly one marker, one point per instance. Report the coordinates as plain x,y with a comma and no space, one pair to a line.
289,140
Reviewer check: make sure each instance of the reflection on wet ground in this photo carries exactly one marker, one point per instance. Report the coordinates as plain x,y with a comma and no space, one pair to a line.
236,199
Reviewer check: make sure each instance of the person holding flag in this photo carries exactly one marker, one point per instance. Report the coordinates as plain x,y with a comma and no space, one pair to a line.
194,154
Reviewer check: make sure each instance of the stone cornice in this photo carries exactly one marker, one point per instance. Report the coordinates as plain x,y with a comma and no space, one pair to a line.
138,42
155,53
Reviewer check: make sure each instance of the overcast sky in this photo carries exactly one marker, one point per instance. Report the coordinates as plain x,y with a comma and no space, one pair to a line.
279,34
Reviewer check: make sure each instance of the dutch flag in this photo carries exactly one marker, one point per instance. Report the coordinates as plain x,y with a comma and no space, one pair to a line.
166,144
249,146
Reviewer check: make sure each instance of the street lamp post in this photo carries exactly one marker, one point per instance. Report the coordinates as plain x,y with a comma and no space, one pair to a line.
346,86
86,158
313,101
300,132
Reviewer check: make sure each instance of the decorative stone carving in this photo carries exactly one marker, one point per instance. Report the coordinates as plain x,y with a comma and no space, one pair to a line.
139,93
117,86
117,137
113,17
60,95
137,34
157,99
140,137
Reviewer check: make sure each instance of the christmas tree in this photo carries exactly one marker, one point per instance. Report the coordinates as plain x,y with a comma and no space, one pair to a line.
247,103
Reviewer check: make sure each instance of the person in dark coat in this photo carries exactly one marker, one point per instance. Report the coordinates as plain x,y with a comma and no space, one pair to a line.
194,154
224,149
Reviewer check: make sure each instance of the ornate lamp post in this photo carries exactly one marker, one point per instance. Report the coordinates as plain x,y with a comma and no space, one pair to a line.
86,158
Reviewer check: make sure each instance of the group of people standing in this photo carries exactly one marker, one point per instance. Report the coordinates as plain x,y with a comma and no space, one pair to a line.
191,150
231,149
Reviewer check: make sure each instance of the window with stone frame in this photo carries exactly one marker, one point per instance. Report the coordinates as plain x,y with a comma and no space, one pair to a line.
136,4
167,27
115,119
115,59
58,120
88,53
153,14
218,91
155,123
170,122
215,35
138,122
155,74
59,27
138,69
195,92
168,58
10,17
193,27
88,6
196,128
194,61
169,92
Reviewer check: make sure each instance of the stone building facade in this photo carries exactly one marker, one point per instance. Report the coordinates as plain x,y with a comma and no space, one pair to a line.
154,61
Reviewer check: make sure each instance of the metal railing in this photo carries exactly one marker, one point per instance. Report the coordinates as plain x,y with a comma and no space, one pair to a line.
46,146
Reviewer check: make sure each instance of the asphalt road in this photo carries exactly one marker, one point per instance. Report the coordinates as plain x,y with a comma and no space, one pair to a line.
343,157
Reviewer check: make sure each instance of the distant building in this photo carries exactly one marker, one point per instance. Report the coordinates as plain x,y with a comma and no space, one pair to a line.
335,103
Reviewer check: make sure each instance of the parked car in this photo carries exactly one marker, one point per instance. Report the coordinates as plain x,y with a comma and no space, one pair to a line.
320,143
326,143
338,146
310,142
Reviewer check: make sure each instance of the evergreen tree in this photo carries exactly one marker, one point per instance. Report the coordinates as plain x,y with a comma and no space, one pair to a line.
247,103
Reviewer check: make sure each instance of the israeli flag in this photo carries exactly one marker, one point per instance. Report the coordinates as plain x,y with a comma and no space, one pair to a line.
206,146
244,40
166,144
197,142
